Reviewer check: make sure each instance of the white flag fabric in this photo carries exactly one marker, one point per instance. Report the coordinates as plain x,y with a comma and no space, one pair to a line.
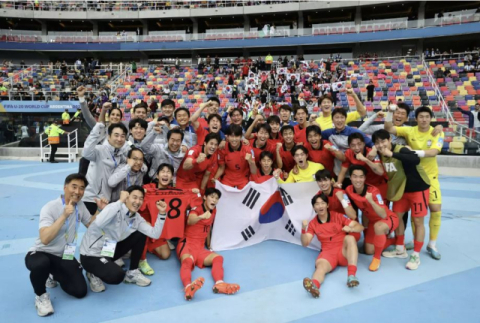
262,212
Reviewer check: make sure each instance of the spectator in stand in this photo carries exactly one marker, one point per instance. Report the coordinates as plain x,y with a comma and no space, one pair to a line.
370,91
245,70
473,117
272,31
268,62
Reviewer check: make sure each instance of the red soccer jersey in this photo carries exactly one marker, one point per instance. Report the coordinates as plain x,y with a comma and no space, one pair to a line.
273,142
237,170
322,156
372,178
287,159
258,150
333,203
178,202
300,134
197,233
192,178
201,134
203,122
259,177
361,202
330,233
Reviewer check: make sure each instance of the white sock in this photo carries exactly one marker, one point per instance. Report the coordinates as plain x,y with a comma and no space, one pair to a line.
432,244
416,254
219,282
400,248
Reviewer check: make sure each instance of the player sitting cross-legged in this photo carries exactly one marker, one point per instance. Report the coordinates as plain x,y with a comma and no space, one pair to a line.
338,248
191,250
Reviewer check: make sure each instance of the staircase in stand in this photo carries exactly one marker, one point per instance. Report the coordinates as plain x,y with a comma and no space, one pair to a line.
69,154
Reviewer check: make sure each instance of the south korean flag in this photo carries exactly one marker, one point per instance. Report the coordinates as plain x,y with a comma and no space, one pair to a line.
337,86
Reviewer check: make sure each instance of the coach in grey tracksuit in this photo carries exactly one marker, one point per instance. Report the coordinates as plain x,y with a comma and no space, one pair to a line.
121,223
104,159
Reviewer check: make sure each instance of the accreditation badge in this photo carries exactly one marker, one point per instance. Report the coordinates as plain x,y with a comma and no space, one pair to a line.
108,249
69,252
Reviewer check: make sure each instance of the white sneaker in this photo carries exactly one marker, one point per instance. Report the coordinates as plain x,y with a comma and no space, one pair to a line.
120,262
43,305
170,245
96,284
395,253
413,263
51,283
136,277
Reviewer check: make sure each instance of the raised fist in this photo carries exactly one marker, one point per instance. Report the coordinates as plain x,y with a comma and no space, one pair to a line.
201,157
161,207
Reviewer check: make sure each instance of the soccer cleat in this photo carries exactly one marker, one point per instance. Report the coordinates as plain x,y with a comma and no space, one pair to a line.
43,305
193,287
311,288
145,268
395,254
352,281
96,284
136,277
225,288
120,263
409,245
434,253
374,265
413,263
51,283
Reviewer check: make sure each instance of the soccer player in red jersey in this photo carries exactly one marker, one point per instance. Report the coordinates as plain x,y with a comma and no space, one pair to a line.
321,151
212,106
283,154
275,135
301,115
236,161
381,220
212,124
265,171
338,248
191,250
197,161
356,155
178,202
338,200
260,142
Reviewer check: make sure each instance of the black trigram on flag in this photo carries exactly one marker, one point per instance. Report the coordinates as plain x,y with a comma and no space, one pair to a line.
290,228
251,198
248,233
287,199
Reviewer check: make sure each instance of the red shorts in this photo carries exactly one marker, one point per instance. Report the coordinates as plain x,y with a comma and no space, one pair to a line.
391,221
334,256
356,235
415,201
198,252
155,243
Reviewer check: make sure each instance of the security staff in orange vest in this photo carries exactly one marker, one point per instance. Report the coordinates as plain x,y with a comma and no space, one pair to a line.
54,133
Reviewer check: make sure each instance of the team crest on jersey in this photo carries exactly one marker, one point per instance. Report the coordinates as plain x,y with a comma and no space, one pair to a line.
429,143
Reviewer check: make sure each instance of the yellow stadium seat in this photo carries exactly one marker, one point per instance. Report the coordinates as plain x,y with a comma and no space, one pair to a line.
460,64
418,84
400,98
414,69
471,78
471,102
431,63
403,73
459,139
180,101
456,147
468,83
430,93
149,83
388,70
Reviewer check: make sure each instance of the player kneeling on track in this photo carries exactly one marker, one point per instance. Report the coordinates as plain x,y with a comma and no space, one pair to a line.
191,251
381,220
338,248
117,229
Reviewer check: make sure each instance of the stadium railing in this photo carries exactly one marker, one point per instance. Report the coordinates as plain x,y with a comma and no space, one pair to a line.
228,34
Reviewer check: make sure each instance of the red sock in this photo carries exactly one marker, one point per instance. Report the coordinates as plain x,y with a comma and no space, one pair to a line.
316,283
186,271
417,245
389,242
352,270
217,268
400,240
379,242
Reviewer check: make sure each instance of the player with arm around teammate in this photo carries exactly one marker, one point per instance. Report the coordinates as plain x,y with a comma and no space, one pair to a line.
338,248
